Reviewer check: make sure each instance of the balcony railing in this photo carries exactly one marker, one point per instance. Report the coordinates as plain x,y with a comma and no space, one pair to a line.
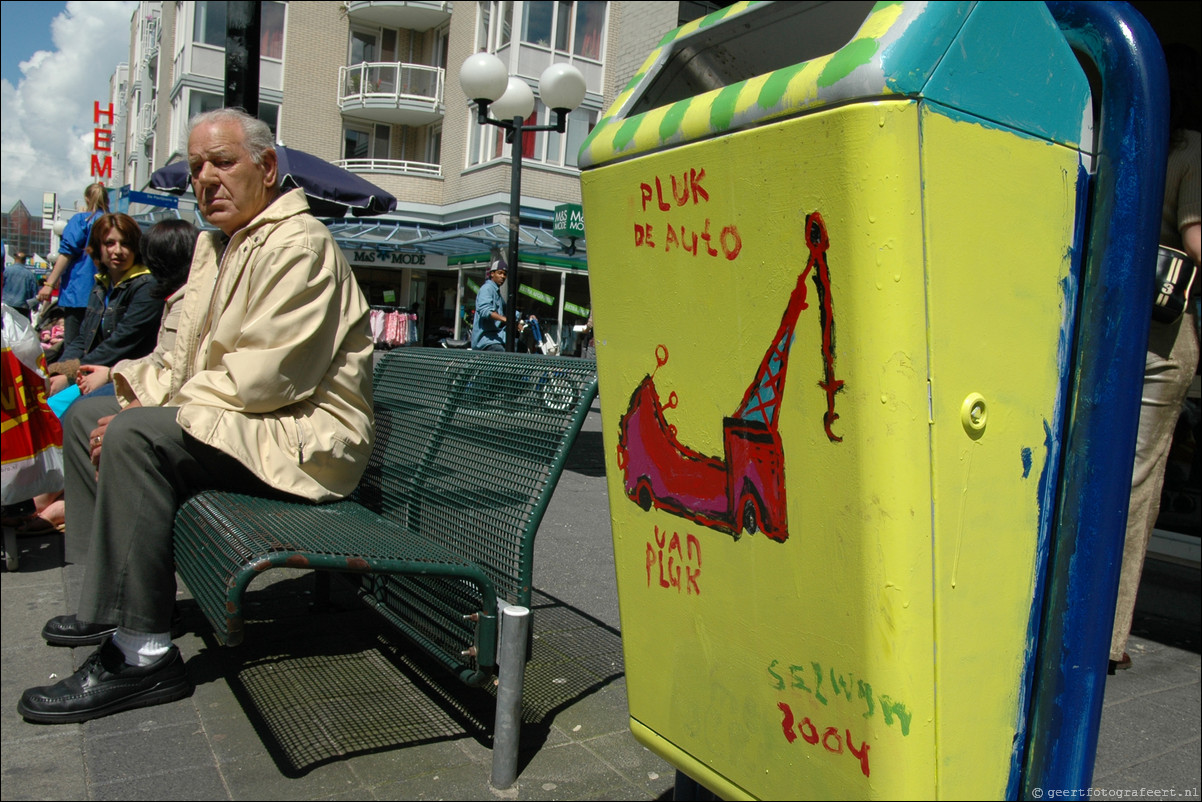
392,92
148,42
148,116
392,166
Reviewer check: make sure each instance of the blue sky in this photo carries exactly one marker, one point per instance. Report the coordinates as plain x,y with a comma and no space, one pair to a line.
25,30
55,61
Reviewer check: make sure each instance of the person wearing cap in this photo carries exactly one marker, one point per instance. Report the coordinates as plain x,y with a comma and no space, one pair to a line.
488,327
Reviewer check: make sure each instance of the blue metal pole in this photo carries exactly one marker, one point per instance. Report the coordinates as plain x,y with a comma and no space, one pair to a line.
1117,287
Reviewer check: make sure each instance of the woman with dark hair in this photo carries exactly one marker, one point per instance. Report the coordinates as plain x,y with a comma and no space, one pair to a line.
123,316
167,251
74,269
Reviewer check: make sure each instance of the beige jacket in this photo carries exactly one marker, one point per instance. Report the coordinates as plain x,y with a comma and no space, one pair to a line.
272,358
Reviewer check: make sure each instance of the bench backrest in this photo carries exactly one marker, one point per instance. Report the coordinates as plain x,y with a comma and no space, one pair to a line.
469,447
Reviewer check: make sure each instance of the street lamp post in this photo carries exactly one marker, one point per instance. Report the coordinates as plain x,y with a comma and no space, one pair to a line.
486,81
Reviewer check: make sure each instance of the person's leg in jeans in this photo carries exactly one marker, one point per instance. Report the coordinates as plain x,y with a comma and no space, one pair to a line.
72,320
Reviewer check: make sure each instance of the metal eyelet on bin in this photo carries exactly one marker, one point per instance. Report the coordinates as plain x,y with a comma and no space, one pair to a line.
973,414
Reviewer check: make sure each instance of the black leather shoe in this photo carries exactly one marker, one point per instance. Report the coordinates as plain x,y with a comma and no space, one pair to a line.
106,685
67,630
1119,665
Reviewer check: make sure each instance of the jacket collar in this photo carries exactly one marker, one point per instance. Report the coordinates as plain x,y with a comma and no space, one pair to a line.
287,204
137,270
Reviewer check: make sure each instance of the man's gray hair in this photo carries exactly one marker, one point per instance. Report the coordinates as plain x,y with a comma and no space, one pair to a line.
256,134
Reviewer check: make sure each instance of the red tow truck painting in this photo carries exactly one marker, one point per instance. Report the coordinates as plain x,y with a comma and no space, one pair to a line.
744,490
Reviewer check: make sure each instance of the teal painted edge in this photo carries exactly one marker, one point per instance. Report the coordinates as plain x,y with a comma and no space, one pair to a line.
912,50
1031,83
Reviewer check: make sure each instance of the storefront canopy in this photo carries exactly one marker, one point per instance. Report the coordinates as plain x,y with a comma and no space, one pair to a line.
466,245
459,245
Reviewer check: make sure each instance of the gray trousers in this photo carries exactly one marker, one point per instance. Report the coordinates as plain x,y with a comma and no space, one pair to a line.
125,512
1171,363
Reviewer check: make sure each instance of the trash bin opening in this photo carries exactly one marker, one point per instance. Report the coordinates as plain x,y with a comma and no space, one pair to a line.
720,55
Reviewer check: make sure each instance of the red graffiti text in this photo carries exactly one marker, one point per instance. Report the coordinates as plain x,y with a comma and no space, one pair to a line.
685,190
830,739
668,561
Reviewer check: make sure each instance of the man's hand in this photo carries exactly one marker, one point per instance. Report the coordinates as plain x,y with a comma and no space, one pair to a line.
96,438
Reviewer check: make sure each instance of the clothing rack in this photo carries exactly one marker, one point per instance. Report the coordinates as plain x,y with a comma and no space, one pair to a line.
392,327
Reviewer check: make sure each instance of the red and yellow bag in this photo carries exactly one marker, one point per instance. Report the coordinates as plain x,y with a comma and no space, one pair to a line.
31,438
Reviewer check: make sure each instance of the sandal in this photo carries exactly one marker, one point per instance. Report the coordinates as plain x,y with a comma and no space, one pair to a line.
37,525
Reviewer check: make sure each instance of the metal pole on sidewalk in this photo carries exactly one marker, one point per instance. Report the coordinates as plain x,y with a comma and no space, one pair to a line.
511,663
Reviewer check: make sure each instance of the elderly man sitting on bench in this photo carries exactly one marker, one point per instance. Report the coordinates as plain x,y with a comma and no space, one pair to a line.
267,391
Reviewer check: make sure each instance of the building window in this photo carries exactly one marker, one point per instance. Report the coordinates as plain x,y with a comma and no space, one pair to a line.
364,47
562,31
209,27
434,145
372,142
537,21
590,22
568,28
270,114
208,23
487,143
494,30
200,102
181,22
271,31
441,47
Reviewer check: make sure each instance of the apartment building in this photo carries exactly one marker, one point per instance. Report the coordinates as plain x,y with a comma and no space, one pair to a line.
373,86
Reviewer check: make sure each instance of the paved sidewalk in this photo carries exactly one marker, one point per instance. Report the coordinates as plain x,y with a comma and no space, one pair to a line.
350,712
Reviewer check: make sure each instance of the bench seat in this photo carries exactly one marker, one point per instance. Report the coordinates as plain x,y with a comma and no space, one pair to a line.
439,534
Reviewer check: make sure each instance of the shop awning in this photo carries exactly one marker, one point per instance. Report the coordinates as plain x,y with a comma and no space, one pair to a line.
462,245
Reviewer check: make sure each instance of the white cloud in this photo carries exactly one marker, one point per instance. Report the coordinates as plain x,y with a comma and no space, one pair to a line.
46,120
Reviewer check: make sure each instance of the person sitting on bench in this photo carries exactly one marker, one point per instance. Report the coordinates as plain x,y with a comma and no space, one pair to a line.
267,391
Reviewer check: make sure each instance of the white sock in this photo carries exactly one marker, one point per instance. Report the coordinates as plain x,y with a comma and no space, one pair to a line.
141,648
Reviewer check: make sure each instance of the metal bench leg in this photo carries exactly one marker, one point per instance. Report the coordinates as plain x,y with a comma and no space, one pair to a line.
511,663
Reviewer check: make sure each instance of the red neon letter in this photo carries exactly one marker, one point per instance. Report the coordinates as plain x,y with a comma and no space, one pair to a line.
102,169
98,112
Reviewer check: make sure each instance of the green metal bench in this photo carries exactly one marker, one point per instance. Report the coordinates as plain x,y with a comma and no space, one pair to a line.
440,531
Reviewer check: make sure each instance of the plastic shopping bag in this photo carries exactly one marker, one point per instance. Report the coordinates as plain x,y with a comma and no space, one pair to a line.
31,438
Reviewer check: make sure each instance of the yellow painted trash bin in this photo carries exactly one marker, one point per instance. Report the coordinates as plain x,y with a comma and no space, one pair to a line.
831,292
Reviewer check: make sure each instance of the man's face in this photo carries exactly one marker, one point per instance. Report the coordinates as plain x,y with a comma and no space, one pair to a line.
498,276
230,188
